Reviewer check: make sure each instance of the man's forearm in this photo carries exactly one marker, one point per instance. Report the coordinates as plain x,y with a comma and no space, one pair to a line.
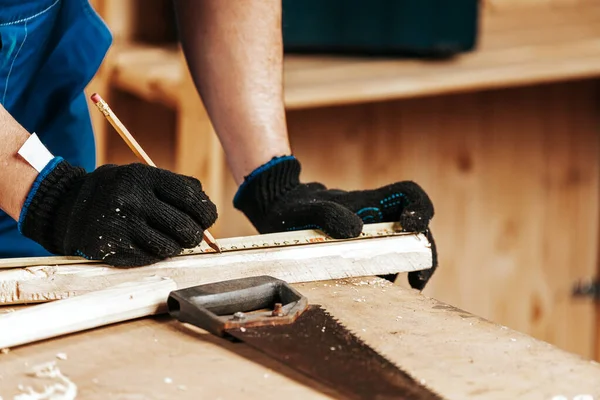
234,51
16,175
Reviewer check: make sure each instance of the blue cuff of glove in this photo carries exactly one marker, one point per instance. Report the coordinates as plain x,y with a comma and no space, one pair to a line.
254,174
34,188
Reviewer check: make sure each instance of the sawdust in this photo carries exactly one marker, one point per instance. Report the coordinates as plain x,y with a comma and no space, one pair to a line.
4,351
62,388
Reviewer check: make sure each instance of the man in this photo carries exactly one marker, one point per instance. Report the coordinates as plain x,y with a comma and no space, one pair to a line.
134,215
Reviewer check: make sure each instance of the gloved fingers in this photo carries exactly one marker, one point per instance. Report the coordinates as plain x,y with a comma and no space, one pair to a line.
156,243
333,219
186,194
175,224
418,212
418,279
404,202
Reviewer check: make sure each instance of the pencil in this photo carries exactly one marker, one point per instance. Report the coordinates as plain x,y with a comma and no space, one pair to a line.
137,149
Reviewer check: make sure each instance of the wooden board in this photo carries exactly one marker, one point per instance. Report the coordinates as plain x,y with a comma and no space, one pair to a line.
458,354
302,263
122,302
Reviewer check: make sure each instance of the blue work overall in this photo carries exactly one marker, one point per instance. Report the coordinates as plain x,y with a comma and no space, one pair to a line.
50,51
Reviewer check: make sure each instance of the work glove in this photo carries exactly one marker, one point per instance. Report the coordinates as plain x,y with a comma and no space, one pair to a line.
126,216
274,200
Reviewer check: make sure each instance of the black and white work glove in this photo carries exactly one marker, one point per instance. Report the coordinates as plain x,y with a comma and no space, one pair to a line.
274,200
130,215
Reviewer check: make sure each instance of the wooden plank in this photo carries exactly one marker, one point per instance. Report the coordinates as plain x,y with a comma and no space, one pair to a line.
123,302
311,262
385,80
458,354
241,243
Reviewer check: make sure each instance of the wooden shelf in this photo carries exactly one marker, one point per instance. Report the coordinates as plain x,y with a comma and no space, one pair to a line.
152,73
516,48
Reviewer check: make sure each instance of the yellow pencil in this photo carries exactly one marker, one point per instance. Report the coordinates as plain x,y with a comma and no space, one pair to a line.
137,149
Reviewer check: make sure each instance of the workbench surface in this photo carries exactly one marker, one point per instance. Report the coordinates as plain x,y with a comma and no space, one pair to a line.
459,355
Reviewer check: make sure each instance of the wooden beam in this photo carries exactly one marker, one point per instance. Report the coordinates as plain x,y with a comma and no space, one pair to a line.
302,263
123,302
241,243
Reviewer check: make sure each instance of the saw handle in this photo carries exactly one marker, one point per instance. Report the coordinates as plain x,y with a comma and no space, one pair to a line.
233,304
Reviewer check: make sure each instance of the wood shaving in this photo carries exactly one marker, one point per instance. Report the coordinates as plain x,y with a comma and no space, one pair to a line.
4,351
61,356
61,389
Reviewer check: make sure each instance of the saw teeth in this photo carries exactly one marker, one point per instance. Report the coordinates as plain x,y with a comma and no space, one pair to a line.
362,342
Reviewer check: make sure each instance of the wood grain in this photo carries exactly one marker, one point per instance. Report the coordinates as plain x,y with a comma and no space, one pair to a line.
458,354
122,302
311,262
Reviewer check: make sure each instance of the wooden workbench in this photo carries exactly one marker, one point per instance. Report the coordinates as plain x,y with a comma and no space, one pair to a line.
458,354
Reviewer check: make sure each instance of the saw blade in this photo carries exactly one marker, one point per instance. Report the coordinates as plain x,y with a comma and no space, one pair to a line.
317,345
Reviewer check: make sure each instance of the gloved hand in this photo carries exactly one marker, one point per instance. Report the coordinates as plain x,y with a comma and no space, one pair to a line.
126,216
274,200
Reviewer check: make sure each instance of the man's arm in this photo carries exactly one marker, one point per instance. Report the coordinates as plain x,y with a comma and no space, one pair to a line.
16,175
234,51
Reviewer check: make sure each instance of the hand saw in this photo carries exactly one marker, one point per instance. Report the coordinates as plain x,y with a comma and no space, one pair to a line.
269,315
